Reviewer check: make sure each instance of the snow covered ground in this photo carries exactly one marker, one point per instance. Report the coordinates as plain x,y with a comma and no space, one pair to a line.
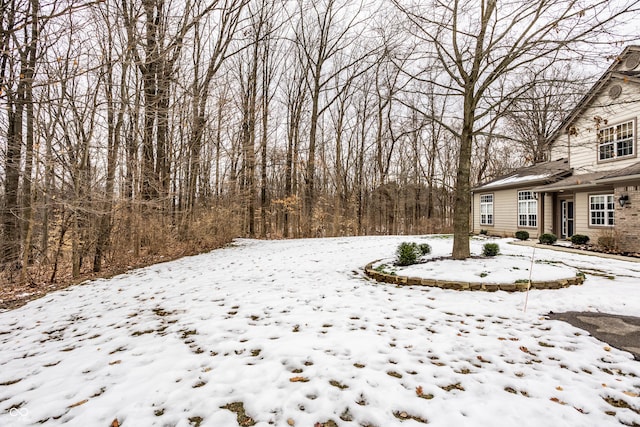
296,333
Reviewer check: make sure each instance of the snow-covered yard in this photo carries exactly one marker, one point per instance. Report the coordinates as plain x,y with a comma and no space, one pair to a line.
294,332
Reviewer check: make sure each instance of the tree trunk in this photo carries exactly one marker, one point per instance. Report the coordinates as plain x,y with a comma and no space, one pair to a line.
462,206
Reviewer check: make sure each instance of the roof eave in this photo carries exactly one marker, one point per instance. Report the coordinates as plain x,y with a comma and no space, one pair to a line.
616,179
550,189
526,184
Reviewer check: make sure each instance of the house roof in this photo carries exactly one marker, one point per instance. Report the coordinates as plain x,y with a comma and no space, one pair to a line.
630,173
573,182
540,173
611,73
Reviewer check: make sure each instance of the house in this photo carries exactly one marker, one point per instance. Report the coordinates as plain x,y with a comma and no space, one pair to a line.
591,185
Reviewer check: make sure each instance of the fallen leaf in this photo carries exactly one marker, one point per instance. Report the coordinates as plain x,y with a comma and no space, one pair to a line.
299,379
604,385
291,422
630,393
559,388
524,349
555,399
115,423
115,362
419,390
607,348
502,338
82,402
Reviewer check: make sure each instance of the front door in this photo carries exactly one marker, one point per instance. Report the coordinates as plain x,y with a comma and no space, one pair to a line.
566,218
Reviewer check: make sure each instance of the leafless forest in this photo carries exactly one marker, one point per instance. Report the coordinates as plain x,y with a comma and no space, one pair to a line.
138,130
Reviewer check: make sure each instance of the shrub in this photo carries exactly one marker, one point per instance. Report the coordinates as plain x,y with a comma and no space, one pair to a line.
381,268
484,232
548,239
424,248
490,249
579,239
607,243
522,234
407,253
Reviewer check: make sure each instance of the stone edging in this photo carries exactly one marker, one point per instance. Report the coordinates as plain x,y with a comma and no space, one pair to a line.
469,286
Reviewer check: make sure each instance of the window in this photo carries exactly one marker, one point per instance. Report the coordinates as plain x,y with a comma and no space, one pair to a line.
486,209
601,209
527,209
616,141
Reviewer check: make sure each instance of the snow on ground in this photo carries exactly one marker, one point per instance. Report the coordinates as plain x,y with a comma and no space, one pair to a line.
509,268
295,332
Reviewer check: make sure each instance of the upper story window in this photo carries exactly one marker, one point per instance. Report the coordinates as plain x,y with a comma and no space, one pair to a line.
616,141
527,209
486,209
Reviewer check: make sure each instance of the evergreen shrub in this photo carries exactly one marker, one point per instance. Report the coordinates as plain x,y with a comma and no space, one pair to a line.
407,253
490,249
522,234
425,248
579,239
548,239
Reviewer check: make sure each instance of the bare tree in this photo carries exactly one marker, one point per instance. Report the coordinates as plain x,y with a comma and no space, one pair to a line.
480,45
217,48
325,33
535,115
19,26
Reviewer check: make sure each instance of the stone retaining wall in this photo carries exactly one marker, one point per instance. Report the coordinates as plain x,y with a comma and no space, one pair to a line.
469,286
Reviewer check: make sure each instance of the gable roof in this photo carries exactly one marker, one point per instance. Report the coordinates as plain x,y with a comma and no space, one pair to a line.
630,173
541,173
611,73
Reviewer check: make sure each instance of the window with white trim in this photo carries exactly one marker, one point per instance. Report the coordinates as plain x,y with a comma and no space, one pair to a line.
601,210
616,141
527,209
486,209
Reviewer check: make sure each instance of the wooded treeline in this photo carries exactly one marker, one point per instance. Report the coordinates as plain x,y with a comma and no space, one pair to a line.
137,128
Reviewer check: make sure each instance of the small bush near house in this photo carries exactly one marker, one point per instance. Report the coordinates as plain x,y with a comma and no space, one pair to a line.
407,253
490,249
548,239
425,248
522,234
484,232
579,239
607,243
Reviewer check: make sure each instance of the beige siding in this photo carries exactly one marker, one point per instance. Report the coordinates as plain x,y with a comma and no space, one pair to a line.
560,148
548,214
584,144
505,211
475,213
582,216
505,214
